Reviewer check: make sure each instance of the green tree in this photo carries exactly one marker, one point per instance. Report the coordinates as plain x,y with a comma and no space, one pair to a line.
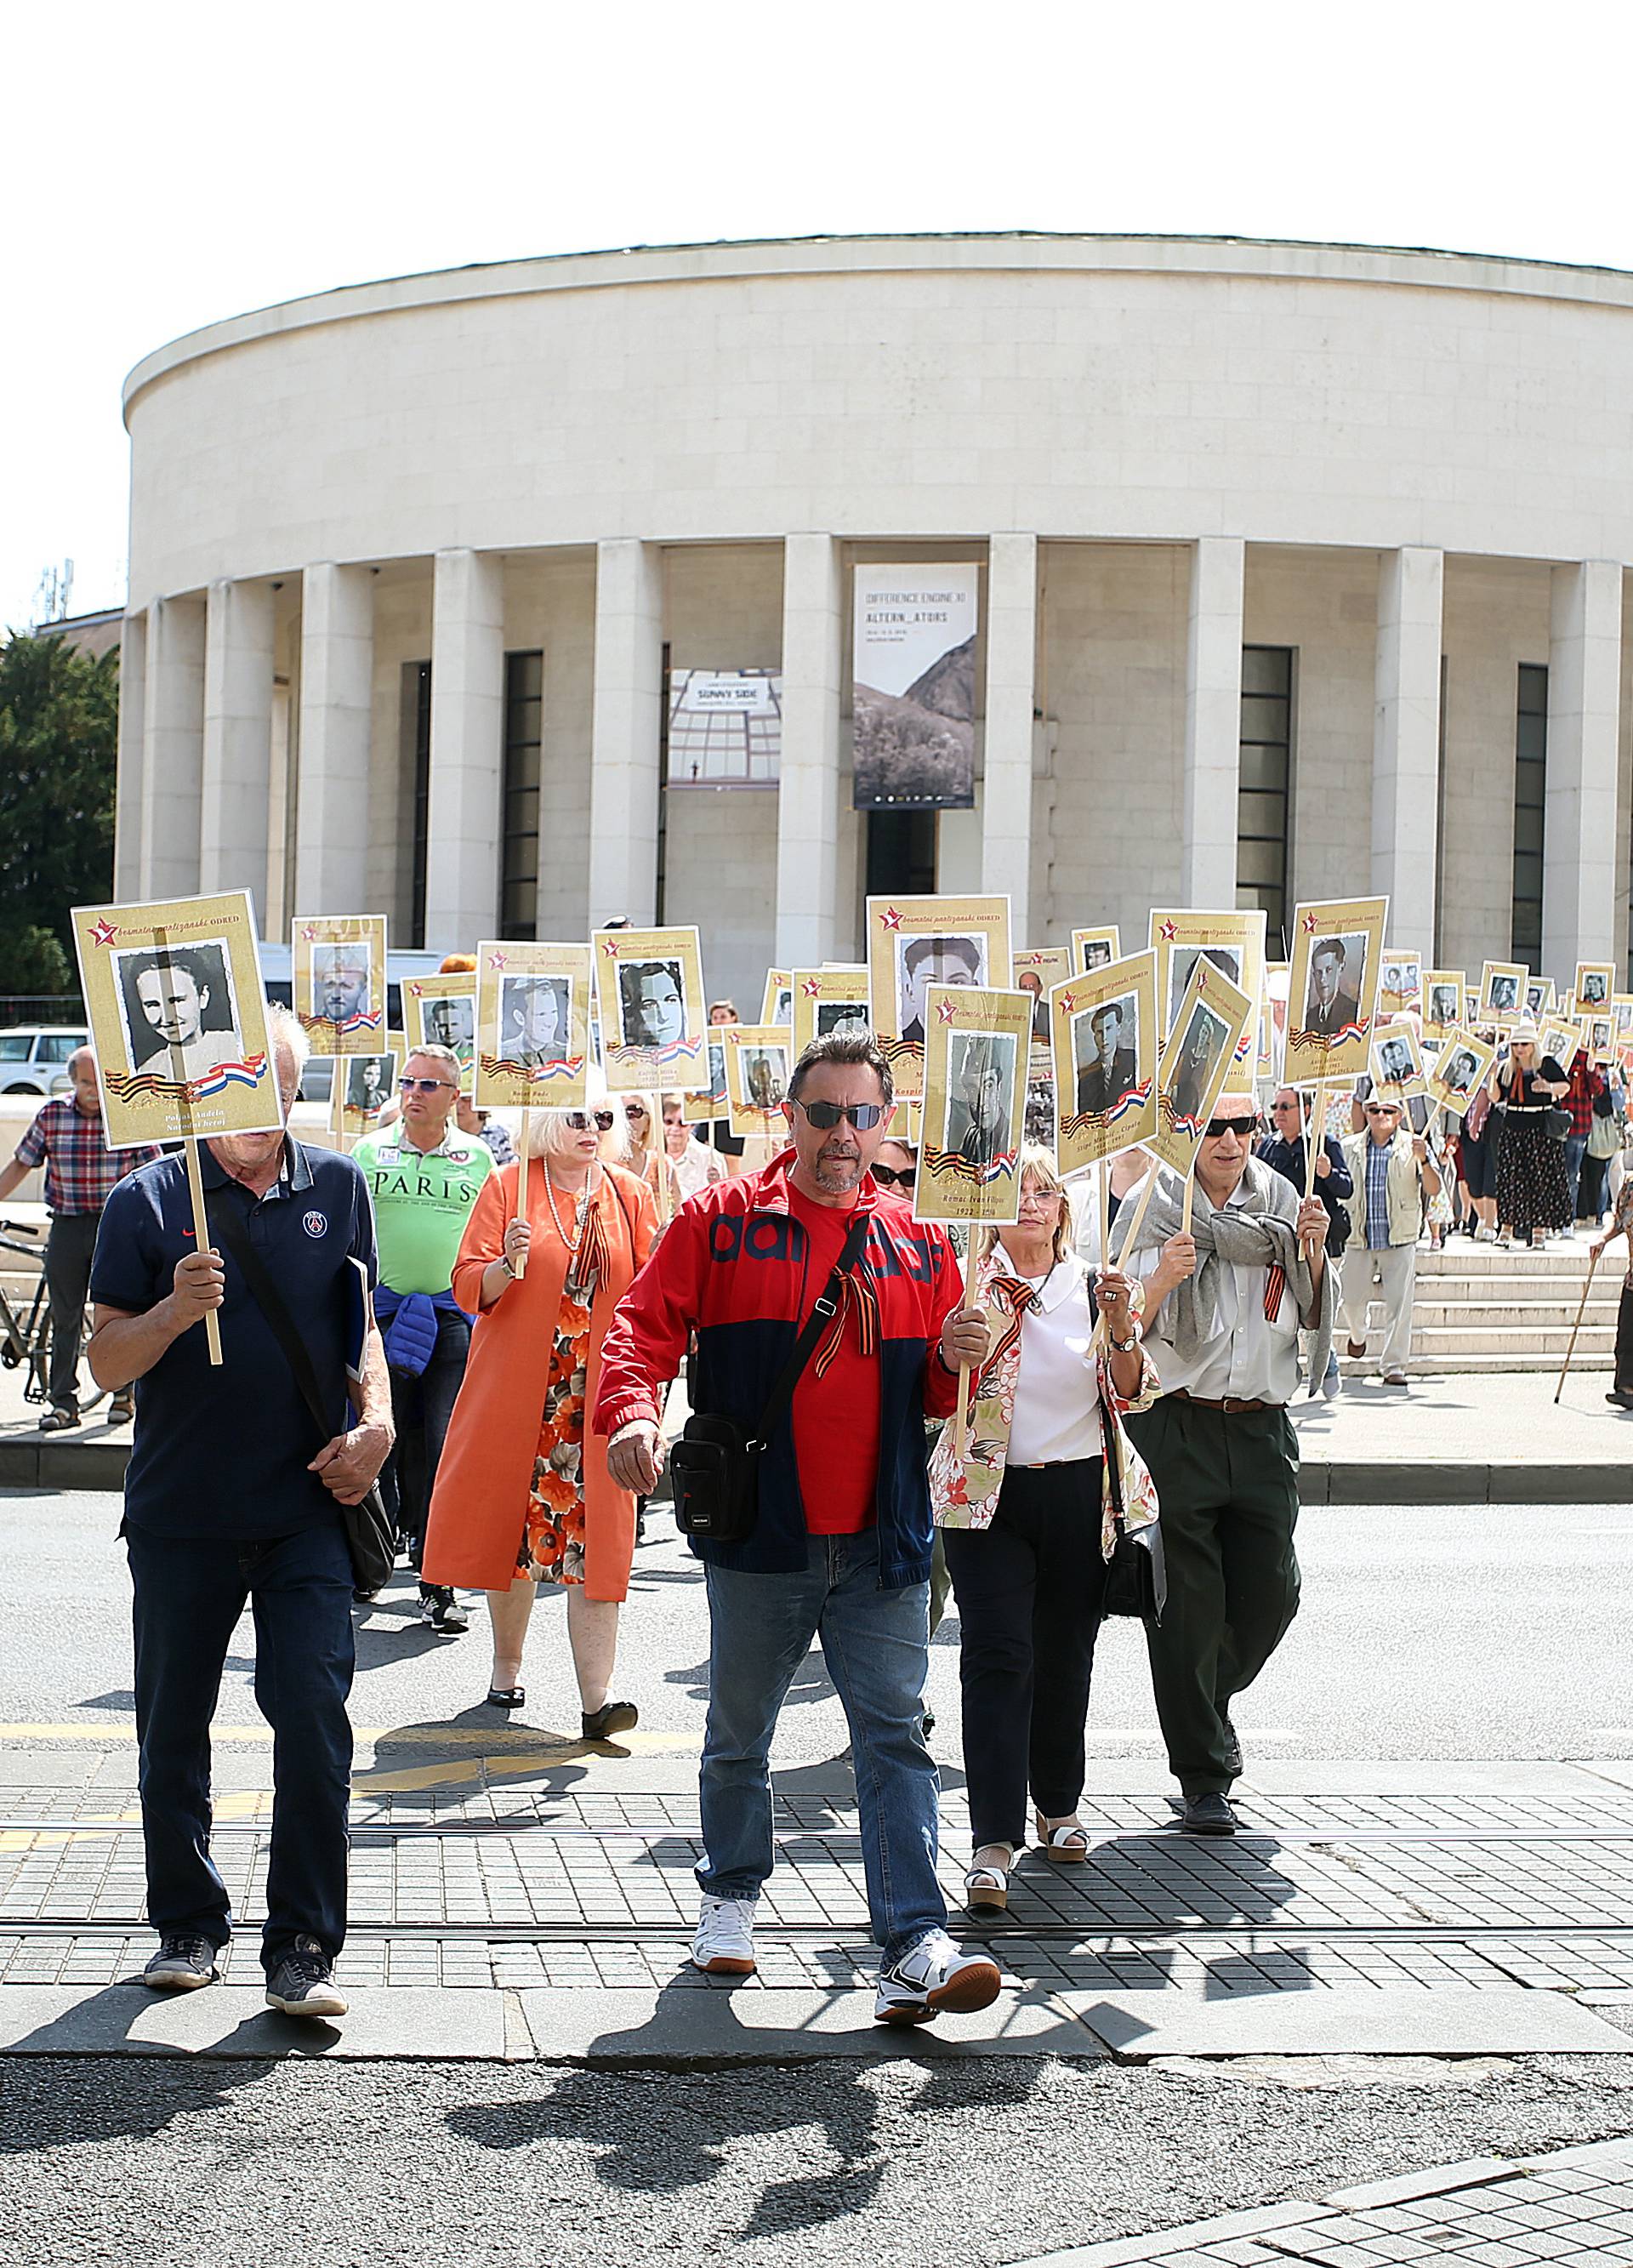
59,718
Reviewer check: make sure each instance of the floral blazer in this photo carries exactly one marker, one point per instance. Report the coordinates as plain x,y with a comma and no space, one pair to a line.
966,1495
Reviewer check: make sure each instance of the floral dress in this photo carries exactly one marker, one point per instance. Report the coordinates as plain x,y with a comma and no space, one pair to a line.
552,1545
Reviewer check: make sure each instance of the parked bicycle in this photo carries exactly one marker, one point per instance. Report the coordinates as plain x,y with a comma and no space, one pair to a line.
26,1338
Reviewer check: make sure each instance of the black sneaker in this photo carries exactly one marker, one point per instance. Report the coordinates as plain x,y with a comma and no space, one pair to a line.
182,1963
303,1982
441,1611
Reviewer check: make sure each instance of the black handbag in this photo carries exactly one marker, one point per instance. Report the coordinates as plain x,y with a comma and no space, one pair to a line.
715,1464
1131,1570
370,1531
1557,1123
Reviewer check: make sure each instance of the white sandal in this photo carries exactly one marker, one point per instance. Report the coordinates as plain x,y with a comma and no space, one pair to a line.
986,1888
1067,1843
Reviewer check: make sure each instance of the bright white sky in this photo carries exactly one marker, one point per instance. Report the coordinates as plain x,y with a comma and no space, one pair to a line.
162,166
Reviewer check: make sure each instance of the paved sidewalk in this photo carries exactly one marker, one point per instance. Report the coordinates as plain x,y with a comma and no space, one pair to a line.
1574,2207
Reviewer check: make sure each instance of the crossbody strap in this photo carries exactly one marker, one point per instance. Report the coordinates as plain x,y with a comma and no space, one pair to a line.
228,1227
825,1308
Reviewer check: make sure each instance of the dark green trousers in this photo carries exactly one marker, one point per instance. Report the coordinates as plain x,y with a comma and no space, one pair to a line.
1228,1484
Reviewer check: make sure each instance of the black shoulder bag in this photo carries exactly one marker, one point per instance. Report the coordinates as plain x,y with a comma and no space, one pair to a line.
715,1465
370,1532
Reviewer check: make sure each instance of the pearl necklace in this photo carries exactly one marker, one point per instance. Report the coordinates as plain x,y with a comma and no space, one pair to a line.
581,1215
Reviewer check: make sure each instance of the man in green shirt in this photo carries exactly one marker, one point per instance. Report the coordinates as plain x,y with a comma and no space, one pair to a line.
425,1176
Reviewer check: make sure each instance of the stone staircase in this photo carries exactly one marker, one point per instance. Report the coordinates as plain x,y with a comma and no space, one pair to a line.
1481,1309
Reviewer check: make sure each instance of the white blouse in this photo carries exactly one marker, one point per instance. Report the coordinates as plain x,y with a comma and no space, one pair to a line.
1056,1412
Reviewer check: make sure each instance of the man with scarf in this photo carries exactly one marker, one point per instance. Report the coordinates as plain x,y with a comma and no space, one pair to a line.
1223,1306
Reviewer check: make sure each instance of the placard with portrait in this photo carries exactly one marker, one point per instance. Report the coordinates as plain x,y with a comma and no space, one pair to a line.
1034,971
1332,988
177,1009
1103,1028
440,1012
1397,1063
1502,992
914,943
1595,984
655,1028
533,1025
1540,999
704,1106
829,1003
1232,943
1560,1038
977,1042
776,1004
337,980
1461,1067
1400,984
1095,948
1209,1026
758,1061
367,1084
1444,1001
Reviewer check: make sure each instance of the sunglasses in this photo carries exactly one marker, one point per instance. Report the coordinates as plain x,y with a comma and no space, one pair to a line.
1217,1126
636,1110
424,1086
581,1121
896,1176
824,1115
1382,1110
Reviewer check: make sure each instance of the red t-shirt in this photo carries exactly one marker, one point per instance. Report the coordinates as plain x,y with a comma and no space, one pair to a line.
836,1417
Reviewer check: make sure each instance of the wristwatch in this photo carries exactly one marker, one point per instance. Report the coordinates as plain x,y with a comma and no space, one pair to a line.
1125,1346
508,1264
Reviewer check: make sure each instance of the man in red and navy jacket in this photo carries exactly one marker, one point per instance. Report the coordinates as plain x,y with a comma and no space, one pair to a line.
841,1549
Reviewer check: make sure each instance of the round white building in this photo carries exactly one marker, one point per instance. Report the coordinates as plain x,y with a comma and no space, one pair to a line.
1302,576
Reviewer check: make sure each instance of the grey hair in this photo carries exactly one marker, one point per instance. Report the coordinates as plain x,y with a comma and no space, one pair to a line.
284,1029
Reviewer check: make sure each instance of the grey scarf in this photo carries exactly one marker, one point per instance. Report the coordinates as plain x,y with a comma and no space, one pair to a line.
1258,1232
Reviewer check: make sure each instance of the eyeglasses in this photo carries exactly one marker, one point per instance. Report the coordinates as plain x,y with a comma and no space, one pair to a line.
1217,1126
636,1110
424,1086
896,1176
580,1121
824,1115
1383,1111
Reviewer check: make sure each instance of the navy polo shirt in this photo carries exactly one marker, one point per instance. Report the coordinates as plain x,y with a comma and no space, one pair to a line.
223,1452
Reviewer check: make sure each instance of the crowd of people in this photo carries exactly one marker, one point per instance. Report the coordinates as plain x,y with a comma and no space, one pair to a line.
1128,1445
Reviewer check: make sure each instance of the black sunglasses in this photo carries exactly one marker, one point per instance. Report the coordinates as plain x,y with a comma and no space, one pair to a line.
823,1116
580,1121
1217,1126
896,1176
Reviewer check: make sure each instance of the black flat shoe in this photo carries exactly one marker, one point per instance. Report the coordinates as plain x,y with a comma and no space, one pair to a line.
611,1717
506,1697
1205,1814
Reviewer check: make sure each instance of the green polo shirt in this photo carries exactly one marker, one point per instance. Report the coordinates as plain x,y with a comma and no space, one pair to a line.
423,1199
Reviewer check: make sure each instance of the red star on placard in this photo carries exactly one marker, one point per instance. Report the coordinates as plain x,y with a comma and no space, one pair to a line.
308,935
1069,1001
417,988
890,918
810,987
947,1011
609,947
1169,932
497,960
103,932
1310,924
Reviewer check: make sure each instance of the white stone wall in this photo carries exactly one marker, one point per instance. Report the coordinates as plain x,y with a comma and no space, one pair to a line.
550,606
1496,616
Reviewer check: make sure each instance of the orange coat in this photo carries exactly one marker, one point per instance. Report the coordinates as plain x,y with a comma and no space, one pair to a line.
480,1503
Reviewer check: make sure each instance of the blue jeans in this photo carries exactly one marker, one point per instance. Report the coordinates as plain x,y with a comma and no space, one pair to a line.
876,1646
189,1593
1576,1150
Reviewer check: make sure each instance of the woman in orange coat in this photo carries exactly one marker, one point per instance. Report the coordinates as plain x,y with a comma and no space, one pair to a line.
523,1492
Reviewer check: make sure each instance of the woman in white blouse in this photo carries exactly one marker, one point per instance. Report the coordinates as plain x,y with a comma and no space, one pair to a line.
1027,1521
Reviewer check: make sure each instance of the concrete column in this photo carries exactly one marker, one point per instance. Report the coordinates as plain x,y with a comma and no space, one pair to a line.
467,751
236,779
1006,793
1213,722
173,759
625,726
336,703
1581,853
807,810
129,773
1405,743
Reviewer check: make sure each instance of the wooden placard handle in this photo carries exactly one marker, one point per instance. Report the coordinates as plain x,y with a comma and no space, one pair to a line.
519,1266
201,1238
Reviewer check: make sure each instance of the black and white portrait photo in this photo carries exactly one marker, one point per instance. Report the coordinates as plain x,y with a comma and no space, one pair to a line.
981,1070
533,1019
1394,1060
177,1009
1594,991
921,961
450,1021
340,980
764,1076
1457,1074
843,1019
1029,980
1206,1038
1337,979
1105,1046
368,1082
653,1003
1503,998
1227,958
1096,954
1446,1002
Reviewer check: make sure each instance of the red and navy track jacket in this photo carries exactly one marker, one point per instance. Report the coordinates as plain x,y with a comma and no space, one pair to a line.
732,1267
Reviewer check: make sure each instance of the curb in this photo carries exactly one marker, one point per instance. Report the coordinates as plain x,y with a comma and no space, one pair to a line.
42,1461
1386,1481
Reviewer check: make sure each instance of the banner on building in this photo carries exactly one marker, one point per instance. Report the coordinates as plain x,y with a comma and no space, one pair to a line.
913,689
725,728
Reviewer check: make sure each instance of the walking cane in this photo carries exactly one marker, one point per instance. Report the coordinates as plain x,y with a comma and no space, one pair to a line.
1592,1263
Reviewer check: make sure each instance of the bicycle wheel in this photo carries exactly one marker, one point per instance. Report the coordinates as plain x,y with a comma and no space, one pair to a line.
37,1389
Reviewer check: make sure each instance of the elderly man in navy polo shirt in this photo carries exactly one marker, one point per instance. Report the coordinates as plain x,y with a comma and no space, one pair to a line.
230,1496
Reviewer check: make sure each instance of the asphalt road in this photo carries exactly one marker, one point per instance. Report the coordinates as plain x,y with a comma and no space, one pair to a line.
1430,1631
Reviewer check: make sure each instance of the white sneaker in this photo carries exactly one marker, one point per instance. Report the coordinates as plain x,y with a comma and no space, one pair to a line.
724,1942
934,1977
